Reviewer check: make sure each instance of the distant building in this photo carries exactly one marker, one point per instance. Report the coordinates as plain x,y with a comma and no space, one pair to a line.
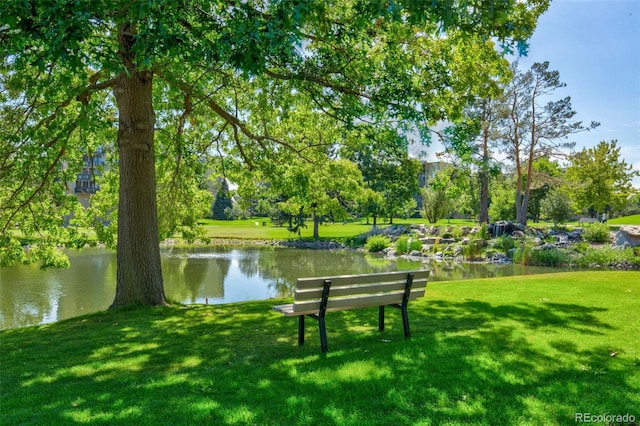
430,169
85,184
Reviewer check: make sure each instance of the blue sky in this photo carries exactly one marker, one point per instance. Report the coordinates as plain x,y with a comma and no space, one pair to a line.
595,45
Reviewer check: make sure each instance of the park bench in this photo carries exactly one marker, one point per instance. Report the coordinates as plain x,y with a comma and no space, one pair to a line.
314,297
587,220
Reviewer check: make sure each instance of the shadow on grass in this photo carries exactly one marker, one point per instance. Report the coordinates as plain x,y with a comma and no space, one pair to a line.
467,362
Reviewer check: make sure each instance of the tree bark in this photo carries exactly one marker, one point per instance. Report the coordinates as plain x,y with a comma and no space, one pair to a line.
139,272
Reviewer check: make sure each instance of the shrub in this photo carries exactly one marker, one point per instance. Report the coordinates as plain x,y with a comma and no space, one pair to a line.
484,232
581,247
504,243
522,254
548,257
405,245
377,243
457,232
597,233
606,256
473,250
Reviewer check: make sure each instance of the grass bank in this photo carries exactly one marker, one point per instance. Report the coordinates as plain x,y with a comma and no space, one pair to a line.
518,350
254,228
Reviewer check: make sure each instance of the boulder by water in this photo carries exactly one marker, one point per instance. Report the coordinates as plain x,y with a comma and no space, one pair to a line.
627,236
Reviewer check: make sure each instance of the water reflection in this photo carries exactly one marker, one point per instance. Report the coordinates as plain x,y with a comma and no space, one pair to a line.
30,296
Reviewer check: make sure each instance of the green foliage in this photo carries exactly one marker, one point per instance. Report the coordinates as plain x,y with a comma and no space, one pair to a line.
405,245
223,203
377,243
596,233
503,206
473,250
484,232
556,206
435,203
522,254
50,256
606,256
11,251
504,243
601,178
456,232
553,257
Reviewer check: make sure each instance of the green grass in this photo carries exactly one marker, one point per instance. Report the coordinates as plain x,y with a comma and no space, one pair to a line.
530,350
625,220
253,229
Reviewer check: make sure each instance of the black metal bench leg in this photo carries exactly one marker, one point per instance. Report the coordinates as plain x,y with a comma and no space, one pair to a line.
405,321
301,330
323,334
380,318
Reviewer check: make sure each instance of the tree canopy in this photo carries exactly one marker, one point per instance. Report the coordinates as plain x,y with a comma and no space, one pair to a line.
164,85
600,179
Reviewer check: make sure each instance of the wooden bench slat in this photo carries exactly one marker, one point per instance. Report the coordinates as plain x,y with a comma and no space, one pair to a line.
357,301
284,309
291,310
304,283
338,291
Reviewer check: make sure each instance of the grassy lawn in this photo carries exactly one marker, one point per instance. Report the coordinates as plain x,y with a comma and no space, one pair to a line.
253,228
531,350
625,220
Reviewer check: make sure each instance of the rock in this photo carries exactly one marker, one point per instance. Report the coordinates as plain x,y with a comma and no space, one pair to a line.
546,246
627,236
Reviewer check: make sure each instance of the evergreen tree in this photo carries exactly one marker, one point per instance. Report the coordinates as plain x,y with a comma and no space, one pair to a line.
222,202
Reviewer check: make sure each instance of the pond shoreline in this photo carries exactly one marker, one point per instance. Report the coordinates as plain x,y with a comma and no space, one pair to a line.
425,256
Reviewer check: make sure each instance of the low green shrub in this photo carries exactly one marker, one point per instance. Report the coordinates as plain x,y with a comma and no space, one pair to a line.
457,232
473,250
522,254
406,245
597,233
377,243
548,257
504,243
606,256
580,247
484,232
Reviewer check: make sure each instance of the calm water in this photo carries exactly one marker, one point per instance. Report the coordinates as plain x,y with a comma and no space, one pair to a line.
30,296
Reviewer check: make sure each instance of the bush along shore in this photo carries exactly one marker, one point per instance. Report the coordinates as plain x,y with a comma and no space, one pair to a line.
590,247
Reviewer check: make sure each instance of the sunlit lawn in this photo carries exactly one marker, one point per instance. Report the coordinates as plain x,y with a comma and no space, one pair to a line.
626,220
254,229
530,350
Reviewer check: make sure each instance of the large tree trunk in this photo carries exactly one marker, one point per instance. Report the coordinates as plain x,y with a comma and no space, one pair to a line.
139,272
316,226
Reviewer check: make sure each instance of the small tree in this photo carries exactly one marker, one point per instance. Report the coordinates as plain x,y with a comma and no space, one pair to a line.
556,206
435,205
222,202
502,206
601,178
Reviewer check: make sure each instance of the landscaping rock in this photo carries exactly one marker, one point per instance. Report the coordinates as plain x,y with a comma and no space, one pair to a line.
627,236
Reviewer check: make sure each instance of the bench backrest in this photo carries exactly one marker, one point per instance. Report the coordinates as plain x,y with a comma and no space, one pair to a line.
358,291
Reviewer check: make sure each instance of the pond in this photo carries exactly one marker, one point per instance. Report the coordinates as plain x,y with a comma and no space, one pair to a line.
29,295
